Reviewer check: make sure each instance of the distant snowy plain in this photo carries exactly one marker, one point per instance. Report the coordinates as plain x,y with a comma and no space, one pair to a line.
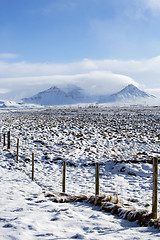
122,140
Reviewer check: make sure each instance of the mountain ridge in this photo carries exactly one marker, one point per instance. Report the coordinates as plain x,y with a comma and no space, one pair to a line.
72,94
129,93
51,96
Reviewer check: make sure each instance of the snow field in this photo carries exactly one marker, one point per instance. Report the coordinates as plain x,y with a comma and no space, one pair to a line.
26,214
122,140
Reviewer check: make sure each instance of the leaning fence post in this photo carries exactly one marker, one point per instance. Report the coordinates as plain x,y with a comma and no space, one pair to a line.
32,166
4,139
155,188
17,149
8,135
64,178
97,178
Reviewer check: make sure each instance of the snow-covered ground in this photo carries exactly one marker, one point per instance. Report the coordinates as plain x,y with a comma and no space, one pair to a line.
27,214
122,140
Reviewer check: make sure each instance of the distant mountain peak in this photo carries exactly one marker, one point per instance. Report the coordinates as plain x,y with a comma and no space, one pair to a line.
130,87
63,95
51,96
133,91
72,94
129,93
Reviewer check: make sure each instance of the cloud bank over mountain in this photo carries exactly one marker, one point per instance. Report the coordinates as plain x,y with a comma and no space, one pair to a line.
99,76
71,94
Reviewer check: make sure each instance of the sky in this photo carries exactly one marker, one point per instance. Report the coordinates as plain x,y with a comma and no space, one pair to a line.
99,45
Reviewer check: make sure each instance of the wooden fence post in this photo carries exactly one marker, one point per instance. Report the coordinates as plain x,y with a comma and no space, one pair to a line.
17,149
4,139
97,179
32,166
9,139
155,188
64,178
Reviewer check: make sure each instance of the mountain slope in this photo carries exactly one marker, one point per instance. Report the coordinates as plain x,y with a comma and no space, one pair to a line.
127,94
51,96
68,94
72,94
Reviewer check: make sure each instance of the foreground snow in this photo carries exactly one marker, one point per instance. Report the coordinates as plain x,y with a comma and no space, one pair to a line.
27,214
124,141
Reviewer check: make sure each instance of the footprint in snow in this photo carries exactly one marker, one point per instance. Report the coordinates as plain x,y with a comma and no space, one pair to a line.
29,199
3,220
54,219
77,236
8,225
88,230
44,235
41,201
94,216
18,210
30,227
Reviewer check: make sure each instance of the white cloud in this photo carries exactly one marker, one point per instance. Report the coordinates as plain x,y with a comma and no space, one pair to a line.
155,92
153,4
94,82
96,76
103,82
8,56
4,90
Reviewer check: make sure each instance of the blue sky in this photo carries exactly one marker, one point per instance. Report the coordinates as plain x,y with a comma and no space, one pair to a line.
94,43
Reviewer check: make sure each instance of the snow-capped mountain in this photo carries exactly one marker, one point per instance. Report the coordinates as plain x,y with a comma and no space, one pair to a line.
72,94
51,96
127,94
68,94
